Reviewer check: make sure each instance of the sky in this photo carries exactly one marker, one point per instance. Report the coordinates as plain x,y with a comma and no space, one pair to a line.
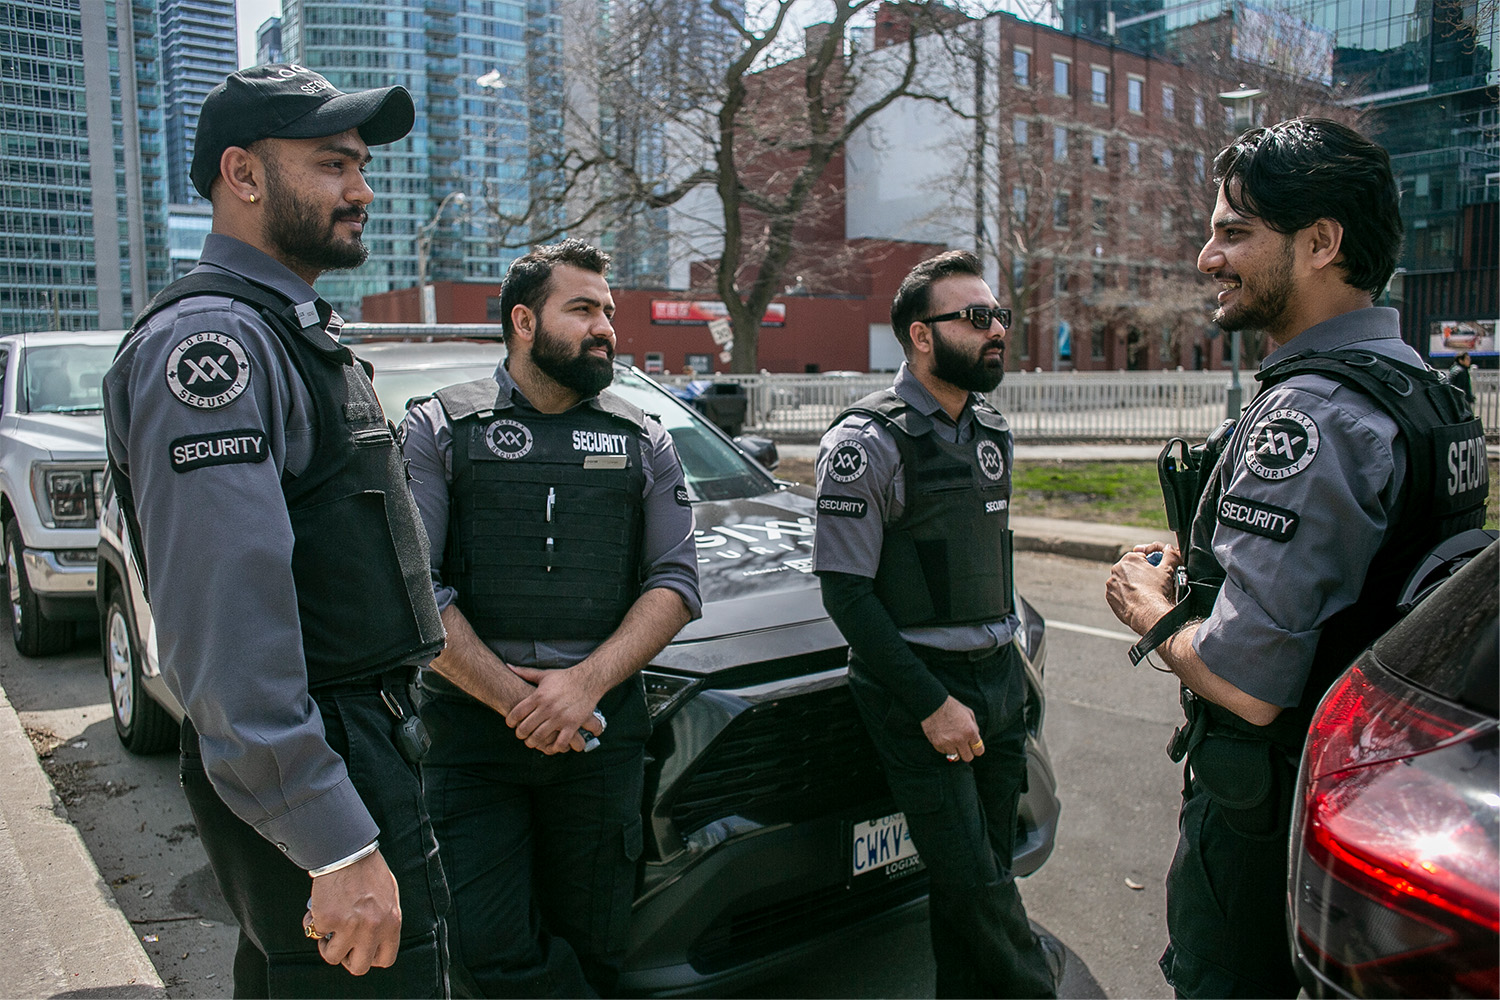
251,14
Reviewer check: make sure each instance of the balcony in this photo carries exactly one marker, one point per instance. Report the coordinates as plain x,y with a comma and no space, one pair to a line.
440,47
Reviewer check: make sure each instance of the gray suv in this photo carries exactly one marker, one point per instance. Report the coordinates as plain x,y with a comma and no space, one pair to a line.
769,826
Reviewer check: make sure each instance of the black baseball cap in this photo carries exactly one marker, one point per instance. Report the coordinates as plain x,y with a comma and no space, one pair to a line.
287,101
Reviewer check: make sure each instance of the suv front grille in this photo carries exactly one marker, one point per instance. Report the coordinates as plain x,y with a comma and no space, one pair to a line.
745,934
784,761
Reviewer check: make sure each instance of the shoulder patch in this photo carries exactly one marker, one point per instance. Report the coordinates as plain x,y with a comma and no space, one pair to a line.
208,370
247,445
842,506
508,438
991,459
680,494
848,462
1264,519
1283,444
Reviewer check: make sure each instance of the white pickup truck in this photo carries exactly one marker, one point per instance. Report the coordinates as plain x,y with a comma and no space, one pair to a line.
51,476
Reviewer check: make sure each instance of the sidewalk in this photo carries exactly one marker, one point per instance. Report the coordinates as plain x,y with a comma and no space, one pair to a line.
61,933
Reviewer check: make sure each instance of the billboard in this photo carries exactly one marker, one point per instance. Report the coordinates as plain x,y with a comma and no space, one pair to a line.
672,312
1447,337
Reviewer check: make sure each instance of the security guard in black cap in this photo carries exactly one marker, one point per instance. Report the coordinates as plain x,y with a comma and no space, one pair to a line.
285,559
914,554
563,560
1352,461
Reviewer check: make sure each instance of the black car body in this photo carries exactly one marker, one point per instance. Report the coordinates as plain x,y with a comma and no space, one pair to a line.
1394,887
760,777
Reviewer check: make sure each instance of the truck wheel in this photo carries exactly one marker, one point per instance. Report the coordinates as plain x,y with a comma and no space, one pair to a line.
34,633
141,723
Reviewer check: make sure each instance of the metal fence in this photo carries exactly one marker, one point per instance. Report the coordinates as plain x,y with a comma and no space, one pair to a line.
1041,406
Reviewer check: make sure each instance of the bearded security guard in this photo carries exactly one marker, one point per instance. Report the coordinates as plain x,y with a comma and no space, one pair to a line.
913,551
259,478
563,561
1349,465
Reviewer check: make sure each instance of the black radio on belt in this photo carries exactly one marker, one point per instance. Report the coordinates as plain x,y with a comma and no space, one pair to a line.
412,738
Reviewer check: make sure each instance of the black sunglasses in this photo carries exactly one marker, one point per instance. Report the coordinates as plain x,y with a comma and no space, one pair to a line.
980,316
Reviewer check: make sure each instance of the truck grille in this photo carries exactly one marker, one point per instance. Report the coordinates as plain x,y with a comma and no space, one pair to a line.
784,761
742,935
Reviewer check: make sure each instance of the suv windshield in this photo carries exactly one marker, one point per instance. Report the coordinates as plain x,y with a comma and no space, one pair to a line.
64,378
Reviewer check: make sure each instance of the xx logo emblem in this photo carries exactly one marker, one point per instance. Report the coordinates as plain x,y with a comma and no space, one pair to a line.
848,462
208,371
1283,444
991,459
508,439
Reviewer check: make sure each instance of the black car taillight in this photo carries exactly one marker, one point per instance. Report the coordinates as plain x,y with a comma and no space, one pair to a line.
1394,880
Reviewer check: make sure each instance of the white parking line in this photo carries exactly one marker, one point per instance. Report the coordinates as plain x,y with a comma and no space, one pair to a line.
1101,633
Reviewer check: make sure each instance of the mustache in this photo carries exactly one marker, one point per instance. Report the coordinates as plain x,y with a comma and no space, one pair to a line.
594,342
351,214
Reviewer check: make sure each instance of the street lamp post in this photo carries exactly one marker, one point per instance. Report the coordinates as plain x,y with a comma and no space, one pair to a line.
1242,105
424,246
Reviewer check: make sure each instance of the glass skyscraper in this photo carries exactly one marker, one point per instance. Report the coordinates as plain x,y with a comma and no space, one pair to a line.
486,77
83,187
197,52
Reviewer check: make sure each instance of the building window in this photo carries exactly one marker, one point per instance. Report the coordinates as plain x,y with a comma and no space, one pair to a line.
1059,278
1200,117
1061,70
1133,280
1060,210
1020,131
1101,216
1133,155
1167,162
1135,89
1099,85
1059,143
1166,222
1096,341
1098,277
1168,101
1097,151
1018,202
1020,62
1199,167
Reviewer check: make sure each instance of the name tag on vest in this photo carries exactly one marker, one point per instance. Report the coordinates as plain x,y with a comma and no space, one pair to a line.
605,461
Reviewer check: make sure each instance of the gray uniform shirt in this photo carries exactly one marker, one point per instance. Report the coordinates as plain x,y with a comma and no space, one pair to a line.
1311,486
852,545
218,543
667,549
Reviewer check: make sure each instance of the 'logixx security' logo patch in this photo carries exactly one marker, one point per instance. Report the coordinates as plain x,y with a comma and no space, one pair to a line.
208,370
1283,444
848,462
508,438
991,459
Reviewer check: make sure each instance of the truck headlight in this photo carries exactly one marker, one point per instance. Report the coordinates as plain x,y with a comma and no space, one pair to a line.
67,496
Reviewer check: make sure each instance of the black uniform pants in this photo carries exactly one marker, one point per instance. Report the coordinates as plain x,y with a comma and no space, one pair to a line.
1226,889
962,818
268,893
541,851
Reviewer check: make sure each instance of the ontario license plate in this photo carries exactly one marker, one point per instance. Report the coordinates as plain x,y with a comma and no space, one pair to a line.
884,845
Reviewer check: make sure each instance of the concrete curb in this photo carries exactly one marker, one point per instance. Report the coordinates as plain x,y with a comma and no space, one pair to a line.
61,933
1081,539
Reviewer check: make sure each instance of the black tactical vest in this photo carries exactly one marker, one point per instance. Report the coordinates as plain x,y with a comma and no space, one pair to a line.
1447,481
546,516
359,555
947,559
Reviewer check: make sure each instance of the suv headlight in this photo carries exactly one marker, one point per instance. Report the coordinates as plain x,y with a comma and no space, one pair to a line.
665,692
67,496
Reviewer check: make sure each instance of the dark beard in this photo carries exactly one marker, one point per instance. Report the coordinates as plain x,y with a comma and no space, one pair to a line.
293,229
1265,310
579,371
971,373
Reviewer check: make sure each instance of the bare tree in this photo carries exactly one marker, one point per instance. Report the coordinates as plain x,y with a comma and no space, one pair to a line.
711,130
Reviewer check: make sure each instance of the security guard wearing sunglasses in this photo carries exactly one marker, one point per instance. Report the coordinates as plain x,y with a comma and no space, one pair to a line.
914,554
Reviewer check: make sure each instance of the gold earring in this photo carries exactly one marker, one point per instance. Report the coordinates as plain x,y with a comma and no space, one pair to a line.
252,199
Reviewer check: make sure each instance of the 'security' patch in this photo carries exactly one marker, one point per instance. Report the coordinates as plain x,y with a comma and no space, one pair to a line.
246,445
508,438
1264,519
996,506
842,506
991,459
680,494
208,370
848,462
1283,444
